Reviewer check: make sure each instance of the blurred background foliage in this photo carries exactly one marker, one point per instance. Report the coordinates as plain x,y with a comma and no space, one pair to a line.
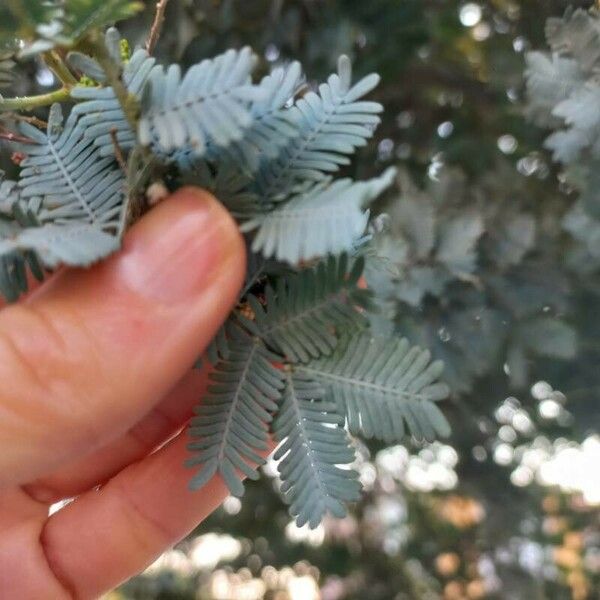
472,259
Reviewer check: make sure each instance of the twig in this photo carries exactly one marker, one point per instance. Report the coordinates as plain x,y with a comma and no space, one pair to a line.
5,134
56,64
141,161
40,123
31,102
118,151
159,18
129,103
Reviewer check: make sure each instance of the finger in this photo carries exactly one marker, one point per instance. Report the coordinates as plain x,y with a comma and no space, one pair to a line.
88,354
104,537
163,421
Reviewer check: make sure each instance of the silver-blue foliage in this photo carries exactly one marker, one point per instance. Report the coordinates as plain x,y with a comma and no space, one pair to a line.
326,219
232,420
384,387
332,123
305,311
211,102
295,362
314,448
101,114
64,167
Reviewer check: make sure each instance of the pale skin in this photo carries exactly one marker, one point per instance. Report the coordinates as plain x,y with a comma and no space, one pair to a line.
94,379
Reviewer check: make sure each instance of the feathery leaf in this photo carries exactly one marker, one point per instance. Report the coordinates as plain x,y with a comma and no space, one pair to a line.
382,384
329,218
83,15
304,313
273,123
332,124
313,446
211,102
65,169
75,244
230,428
100,112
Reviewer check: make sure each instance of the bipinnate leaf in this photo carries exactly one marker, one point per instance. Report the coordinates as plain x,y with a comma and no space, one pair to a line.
386,388
231,426
313,453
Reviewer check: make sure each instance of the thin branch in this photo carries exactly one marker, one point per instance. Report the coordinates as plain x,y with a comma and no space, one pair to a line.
118,151
129,103
5,134
39,123
56,64
159,19
31,102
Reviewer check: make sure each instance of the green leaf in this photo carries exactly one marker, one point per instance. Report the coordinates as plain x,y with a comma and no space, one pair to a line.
313,446
48,23
384,387
24,19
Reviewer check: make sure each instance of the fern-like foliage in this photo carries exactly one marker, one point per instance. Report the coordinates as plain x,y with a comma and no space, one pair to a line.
101,115
231,423
14,263
332,123
28,244
304,312
65,169
65,209
272,125
211,102
15,215
75,244
327,219
563,93
269,155
562,86
229,183
384,387
313,446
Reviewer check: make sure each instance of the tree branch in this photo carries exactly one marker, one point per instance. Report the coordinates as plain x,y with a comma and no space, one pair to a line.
159,18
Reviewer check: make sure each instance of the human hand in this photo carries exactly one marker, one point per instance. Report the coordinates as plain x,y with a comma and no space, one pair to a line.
94,376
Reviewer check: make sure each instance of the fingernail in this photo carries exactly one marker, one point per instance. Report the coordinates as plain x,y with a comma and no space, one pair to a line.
178,248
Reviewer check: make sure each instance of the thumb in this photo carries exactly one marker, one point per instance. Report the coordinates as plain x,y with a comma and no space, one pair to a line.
91,351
